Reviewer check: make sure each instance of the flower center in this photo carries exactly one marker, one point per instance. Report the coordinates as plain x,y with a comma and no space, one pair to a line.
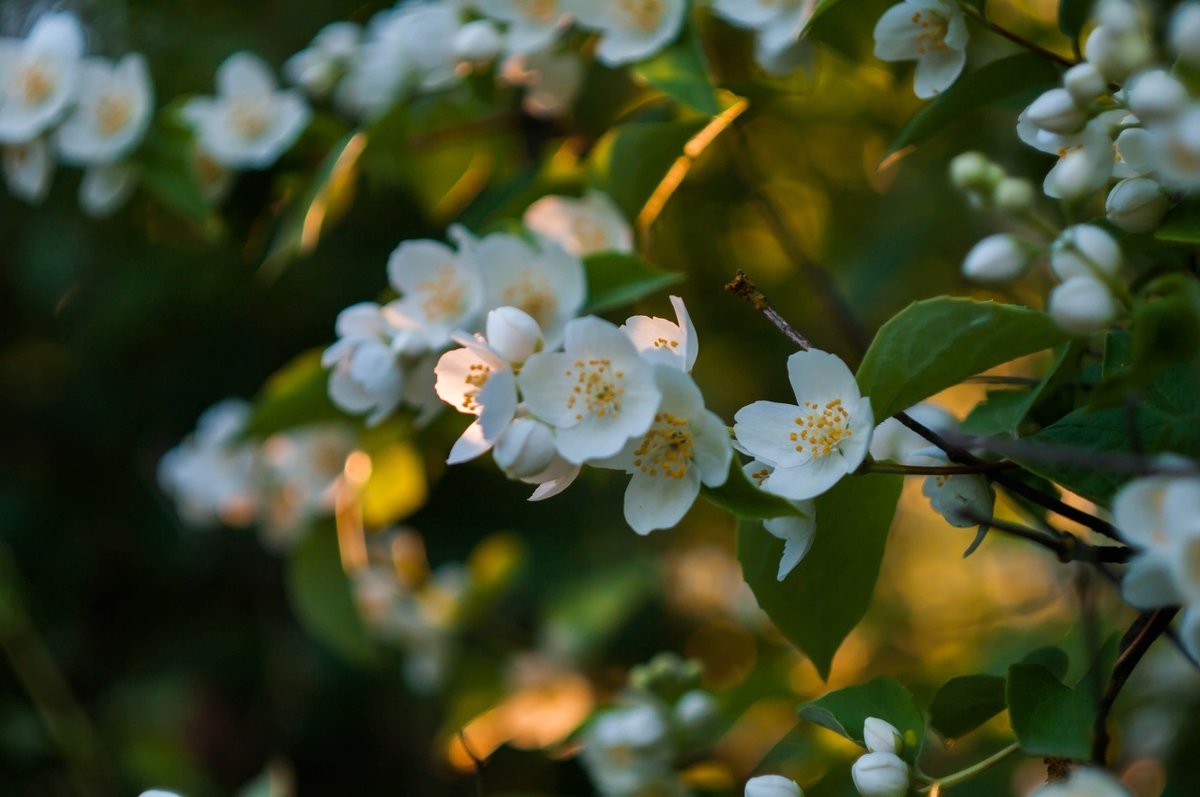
934,28
645,15
1186,158
532,293
35,83
476,378
443,294
666,448
589,234
666,343
249,118
113,112
538,10
598,389
823,429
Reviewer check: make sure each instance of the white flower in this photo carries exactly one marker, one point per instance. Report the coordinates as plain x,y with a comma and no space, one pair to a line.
961,498
551,80
1117,52
514,334
972,171
631,30
1160,517
28,170
778,25
880,775
1083,305
38,76
796,531
1175,148
881,736
997,259
380,71
426,32
1184,32
211,474
664,342
814,444
105,188
525,449
695,711
115,103
1013,194
772,786
685,446
893,441
1085,159
1155,95
557,476
1084,83
440,290
476,380
581,226
930,32
542,280
318,67
628,749
478,42
250,123
1057,112
533,25
598,393
1084,782
1085,250
366,376
1136,204
214,179
302,471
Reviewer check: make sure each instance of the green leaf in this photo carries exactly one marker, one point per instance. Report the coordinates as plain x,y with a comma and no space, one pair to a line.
846,710
820,601
166,165
1182,224
1050,718
319,593
741,497
296,395
1004,79
616,279
935,344
1051,658
630,161
327,197
681,71
963,704
1073,15
1003,410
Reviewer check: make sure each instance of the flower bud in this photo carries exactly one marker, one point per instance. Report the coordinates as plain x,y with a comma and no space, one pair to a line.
1013,194
1116,54
1084,83
1084,250
972,171
695,712
881,736
477,42
1184,33
996,259
880,775
1082,305
1156,95
513,334
961,499
1075,177
524,449
772,786
1056,112
1136,204
1119,16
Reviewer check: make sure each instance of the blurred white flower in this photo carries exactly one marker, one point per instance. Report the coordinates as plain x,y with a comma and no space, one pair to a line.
772,786
1154,95
115,104
39,76
1084,83
440,291
1184,32
1085,250
813,444
631,30
778,26
1056,111
28,170
302,471
525,449
250,122
1085,159
318,67
105,188
627,750
962,499
551,80
685,446
581,226
1083,305
1136,204
895,442
664,342
1084,782
598,393
478,42
426,32
997,259
533,25
212,474
366,375
930,32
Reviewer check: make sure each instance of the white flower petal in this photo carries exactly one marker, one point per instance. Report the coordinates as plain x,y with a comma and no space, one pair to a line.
658,502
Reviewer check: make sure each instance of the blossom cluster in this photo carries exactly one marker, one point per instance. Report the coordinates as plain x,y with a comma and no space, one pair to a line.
219,475
58,103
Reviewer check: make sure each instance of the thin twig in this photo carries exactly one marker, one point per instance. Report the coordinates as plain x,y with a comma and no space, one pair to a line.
1018,39
1147,628
741,286
475,760
1062,455
1067,547
935,470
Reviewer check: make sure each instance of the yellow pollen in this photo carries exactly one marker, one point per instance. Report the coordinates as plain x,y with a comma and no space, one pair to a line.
538,10
444,294
934,28
249,118
589,234
822,429
645,15
533,294
35,83
666,449
597,390
476,378
760,476
113,112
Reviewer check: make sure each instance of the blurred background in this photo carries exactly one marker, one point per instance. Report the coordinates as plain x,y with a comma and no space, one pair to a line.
142,652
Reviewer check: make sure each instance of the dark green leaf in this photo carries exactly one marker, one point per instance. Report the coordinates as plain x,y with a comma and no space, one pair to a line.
1073,15
296,395
846,710
935,344
631,160
963,704
1182,224
615,279
319,593
1053,659
826,595
1000,80
681,71
741,497
1051,718
1003,410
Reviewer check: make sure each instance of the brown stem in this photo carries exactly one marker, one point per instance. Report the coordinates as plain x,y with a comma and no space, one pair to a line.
935,470
741,286
1148,627
1018,39
1067,547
